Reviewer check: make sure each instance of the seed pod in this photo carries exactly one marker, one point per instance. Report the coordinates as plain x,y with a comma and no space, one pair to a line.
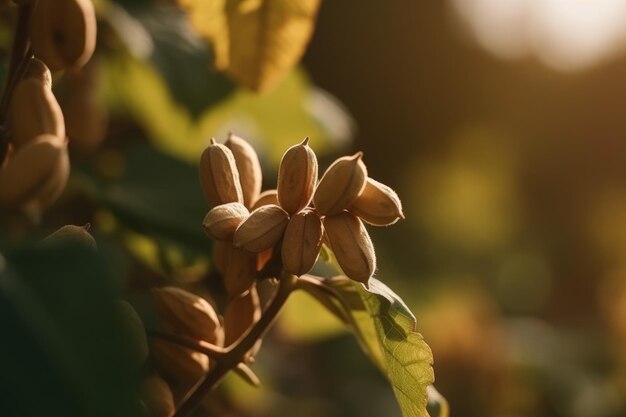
35,111
221,255
222,221
35,175
377,205
39,71
302,242
340,185
265,198
157,396
351,245
262,229
249,168
240,314
240,271
71,234
219,176
185,314
63,32
297,176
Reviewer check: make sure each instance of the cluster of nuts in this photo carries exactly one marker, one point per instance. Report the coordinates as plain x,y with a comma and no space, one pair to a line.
62,36
296,218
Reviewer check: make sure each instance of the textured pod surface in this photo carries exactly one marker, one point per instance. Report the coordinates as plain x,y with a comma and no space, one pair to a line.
219,176
222,221
36,174
185,314
265,198
35,111
239,271
249,167
302,242
240,314
63,32
351,245
340,185
71,234
262,229
297,176
38,70
157,396
377,205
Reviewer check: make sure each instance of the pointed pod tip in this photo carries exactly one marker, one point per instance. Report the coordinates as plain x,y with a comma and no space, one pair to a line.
358,156
213,141
305,142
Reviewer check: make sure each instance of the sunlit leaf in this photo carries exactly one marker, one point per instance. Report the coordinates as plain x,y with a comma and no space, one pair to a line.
255,41
437,404
386,329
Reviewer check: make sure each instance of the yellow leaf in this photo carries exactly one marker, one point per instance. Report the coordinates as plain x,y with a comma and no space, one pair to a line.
256,42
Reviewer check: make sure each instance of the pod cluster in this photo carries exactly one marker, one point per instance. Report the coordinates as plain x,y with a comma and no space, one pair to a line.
34,172
294,220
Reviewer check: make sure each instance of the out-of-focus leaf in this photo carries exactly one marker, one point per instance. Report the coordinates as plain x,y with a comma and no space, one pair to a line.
272,122
255,41
63,354
304,319
154,194
386,329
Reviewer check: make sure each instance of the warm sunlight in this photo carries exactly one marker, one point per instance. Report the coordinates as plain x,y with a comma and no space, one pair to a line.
567,35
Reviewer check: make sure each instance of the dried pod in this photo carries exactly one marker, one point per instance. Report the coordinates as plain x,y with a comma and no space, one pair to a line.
222,221
240,314
157,396
221,255
38,70
351,245
249,168
35,111
302,242
265,198
63,32
297,176
240,271
71,234
185,314
340,185
262,229
377,205
35,175
219,176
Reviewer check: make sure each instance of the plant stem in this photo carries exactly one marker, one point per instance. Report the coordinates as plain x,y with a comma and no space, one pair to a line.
236,352
209,349
19,50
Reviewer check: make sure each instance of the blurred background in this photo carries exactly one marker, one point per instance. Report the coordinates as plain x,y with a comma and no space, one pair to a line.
499,123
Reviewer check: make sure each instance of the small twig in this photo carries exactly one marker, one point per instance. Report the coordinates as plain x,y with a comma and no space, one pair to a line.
235,353
311,285
211,350
248,374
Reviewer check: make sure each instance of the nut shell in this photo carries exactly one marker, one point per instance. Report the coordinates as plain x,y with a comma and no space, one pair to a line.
249,167
219,176
297,176
302,242
222,221
377,205
340,185
262,229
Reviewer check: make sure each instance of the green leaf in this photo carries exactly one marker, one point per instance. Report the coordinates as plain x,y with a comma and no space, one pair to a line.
386,330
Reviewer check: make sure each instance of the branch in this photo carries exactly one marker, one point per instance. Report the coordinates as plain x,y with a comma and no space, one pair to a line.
235,354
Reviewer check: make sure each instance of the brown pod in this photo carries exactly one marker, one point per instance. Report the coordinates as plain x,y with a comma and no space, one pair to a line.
157,396
249,168
221,255
351,245
302,242
38,70
35,111
222,221
63,32
377,205
185,314
240,314
340,185
71,234
265,198
35,175
240,271
219,176
262,229
297,176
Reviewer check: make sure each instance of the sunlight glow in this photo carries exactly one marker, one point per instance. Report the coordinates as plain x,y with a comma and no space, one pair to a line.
567,35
